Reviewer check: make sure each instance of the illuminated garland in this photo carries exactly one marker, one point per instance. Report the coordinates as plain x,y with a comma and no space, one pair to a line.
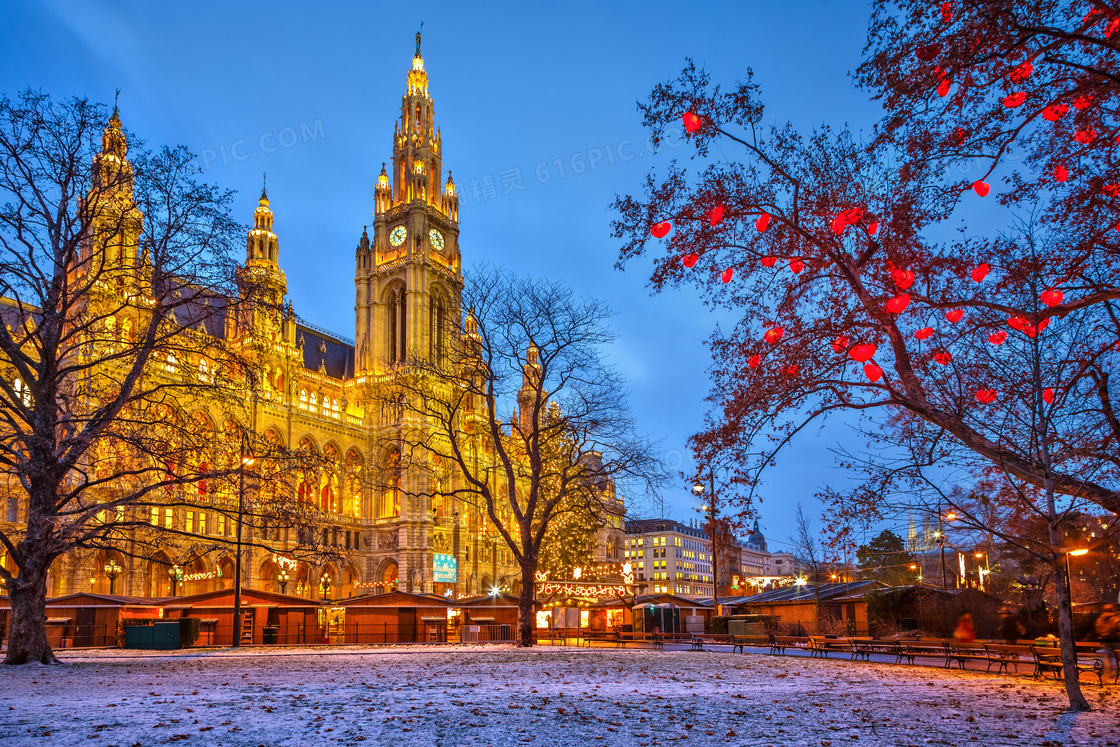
576,589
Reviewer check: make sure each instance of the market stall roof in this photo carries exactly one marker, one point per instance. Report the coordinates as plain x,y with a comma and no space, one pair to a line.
393,599
808,593
89,599
488,600
249,598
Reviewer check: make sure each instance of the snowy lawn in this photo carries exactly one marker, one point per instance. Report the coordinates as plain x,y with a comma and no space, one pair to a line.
545,696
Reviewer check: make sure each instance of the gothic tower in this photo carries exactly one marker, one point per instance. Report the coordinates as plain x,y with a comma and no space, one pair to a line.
408,274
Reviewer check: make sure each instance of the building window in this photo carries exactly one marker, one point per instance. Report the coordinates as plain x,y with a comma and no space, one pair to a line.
202,522
155,516
190,522
168,518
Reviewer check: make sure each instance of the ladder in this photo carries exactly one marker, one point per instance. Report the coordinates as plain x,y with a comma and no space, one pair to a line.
246,627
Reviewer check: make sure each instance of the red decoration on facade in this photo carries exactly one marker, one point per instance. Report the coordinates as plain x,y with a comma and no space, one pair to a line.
902,278
997,338
753,361
943,87
873,227
1085,136
1084,101
717,215
1060,173
769,261
946,12
796,266
1048,396
692,122
1021,72
1054,112
839,344
1015,99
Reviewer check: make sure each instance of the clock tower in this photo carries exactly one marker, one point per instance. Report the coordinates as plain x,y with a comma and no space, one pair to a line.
408,271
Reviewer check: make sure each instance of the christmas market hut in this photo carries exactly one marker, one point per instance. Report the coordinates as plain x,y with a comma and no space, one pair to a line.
492,617
843,607
86,620
266,617
395,617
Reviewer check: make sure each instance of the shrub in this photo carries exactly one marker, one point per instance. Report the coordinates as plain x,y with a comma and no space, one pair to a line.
188,630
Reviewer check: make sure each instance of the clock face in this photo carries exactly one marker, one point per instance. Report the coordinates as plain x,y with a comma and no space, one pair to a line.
398,235
436,239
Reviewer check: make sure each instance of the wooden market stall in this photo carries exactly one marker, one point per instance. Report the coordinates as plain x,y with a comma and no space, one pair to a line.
395,617
266,617
86,620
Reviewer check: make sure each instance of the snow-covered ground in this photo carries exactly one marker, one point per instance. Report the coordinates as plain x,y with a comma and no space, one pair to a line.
545,696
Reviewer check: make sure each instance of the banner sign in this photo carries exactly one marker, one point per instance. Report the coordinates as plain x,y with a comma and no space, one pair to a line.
444,568
578,589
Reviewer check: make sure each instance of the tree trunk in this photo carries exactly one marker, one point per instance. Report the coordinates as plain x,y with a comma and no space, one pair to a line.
27,629
526,614
1077,701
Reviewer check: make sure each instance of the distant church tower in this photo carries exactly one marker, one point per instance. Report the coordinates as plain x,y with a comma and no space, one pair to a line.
408,274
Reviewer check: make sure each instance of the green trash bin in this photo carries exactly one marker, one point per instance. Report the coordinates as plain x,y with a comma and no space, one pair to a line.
165,634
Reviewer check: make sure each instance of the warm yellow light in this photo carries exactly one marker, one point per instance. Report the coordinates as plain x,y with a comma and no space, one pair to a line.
979,554
1081,551
950,516
247,461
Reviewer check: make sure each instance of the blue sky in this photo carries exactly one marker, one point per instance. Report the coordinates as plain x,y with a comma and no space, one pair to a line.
309,93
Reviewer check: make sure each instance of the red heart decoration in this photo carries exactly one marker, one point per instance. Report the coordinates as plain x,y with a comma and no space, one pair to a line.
773,335
863,353
1054,112
1048,396
791,370
872,372
980,272
717,215
1083,102
1060,173
1031,330
1015,99
898,304
946,12
985,396
660,229
997,338
690,259
943,88
928,52
1085,136
1016,322
1052,297
954,315
839,223
943,357
754,361
873,227
796,266
839,344
692,122
762,222
960,134
726,276
769,261
902,278
923,333
1111,189
1022,72
981,188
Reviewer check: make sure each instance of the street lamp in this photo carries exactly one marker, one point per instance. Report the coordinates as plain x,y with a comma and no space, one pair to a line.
175,573
1078,552
246,461
711,510
326,584
283,579
112,570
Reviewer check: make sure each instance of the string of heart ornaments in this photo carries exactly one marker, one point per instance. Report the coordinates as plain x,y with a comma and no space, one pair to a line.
902,278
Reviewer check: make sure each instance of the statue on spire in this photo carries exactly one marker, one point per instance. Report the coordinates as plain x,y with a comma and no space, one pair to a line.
418,39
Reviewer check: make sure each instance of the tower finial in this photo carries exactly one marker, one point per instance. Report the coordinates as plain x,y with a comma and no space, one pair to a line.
418,38
264,185
116,98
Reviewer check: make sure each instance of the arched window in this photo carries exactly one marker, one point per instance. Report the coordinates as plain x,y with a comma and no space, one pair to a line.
398,325
438,323
314,399
23,394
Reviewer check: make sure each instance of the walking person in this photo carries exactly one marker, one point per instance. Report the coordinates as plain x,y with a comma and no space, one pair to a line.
1107,628
966,631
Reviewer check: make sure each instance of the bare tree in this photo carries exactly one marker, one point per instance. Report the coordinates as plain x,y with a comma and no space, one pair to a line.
527,413
809,552
117,294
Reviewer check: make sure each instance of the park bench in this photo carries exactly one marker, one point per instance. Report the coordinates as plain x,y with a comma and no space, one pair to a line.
753,641
1049,659
822,646
962,652
910,649
1002,655
675,637
779,643
699,640
587,637
656,639
862,648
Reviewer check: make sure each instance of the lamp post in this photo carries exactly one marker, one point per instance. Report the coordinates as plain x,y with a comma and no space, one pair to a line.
1078,551
283,579
325,582
175,573
246,461
112,570
711,510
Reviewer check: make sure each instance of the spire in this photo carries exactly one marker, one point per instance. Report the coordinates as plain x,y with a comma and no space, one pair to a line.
264,188
262,243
